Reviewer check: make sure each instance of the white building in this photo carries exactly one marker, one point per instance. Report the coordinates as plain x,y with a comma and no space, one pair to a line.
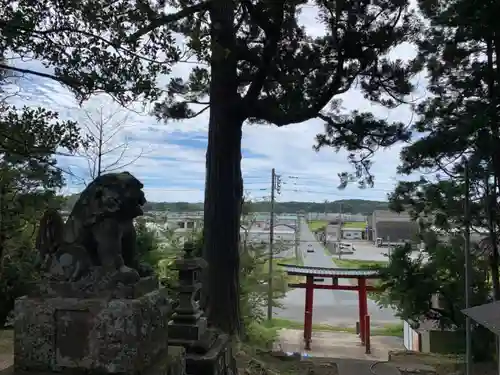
185,224
352,233
282,233
336,216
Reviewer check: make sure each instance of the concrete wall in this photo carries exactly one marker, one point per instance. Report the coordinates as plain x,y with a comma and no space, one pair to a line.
443,342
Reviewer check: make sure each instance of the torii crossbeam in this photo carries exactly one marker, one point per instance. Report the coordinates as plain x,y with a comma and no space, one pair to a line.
335,274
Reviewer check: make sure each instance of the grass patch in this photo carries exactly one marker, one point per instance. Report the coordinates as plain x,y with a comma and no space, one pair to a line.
395,330
295,262
443,363
276,261
362,264
276,268
315,225
261,335
354,225
355,263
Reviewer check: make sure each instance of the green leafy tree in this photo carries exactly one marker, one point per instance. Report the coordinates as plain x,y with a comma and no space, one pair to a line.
29,179
29,175
17,269
254,274
147,243
431,286
255,63
411,282
459,121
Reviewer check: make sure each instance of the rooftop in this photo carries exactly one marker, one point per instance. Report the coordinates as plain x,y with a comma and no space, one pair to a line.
386,215
322,271
487,315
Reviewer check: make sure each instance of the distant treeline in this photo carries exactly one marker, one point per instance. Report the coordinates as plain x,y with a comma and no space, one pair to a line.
353,206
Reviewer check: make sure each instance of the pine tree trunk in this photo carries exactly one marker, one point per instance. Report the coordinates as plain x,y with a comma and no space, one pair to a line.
224,185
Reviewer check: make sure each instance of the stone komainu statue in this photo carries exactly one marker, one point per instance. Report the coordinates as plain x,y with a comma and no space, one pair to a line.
98,239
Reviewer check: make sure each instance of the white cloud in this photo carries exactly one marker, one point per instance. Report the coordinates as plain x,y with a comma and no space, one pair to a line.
173,162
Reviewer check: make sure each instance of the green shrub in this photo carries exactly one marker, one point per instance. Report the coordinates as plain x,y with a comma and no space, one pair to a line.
17,272
253,271
260,335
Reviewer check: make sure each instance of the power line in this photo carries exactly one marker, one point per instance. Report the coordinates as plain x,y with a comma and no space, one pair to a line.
353,195
203,189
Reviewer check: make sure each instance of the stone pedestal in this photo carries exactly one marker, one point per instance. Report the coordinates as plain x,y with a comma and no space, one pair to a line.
93,334
207,350
216,360
173,363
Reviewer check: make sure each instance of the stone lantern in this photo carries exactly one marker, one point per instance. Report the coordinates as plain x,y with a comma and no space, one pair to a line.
188,326
208,351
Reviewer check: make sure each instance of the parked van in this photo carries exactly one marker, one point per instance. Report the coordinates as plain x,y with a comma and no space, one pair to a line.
346,246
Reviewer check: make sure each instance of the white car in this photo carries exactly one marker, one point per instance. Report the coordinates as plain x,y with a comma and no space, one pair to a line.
346,246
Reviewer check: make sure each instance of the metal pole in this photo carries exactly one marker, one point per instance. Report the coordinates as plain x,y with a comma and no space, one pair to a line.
271,241
389,246
297,237
339,231
468,335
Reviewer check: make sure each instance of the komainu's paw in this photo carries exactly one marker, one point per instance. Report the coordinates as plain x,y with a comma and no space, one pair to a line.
127,275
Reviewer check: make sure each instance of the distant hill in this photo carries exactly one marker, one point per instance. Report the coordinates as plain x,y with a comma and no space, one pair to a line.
353,206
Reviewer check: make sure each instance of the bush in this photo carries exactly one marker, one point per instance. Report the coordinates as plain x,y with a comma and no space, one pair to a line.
254,285
17,272
260,335
254,277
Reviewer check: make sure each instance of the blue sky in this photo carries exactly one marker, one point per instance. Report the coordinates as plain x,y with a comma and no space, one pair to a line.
170,158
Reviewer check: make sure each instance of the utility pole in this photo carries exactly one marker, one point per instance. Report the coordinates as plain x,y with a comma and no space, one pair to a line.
339,232
275,188
468,334
297,236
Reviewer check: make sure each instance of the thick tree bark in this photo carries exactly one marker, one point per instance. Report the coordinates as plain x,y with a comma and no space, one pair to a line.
224,185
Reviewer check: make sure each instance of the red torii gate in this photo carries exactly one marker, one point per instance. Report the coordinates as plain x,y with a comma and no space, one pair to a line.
310,273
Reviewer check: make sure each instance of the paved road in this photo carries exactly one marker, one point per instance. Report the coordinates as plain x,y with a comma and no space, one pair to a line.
366,251
335,307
